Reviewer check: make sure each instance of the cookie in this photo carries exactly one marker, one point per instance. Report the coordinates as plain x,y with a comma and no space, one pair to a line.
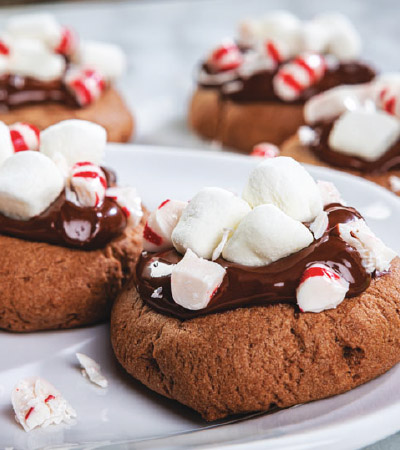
46,287
109,111
260,358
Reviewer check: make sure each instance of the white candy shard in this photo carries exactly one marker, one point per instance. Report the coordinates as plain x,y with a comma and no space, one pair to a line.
86,85
106,58
394,182
306,135
285,183
129,201
219,248
24,136
375,255
6,145
76,140
388,98
329,193
366,135
265,235
29,183
320,225
320,288
37,403
160,224
87,185
195,280
203,221
91,369
159,269
32,58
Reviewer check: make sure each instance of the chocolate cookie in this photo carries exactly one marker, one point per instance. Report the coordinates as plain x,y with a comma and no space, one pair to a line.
259,358
293,148
108,111
45,286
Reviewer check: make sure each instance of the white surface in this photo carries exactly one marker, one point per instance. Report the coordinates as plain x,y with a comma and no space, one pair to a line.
128,411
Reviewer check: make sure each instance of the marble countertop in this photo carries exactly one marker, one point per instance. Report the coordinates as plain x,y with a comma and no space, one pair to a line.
165,39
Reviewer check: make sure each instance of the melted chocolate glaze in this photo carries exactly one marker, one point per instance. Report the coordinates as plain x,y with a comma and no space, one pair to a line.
259,88
66,224
245,286
390,160
18,91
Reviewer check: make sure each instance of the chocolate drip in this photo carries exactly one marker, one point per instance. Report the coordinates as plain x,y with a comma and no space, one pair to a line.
390,160
66,224
245,286
259,88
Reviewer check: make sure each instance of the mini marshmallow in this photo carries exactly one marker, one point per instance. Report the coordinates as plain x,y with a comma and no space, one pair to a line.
283,182
29,183
265,150
86,85
320,225
366,135
375,255
332,103
329,193
108,59
76,140
195,280
24,136
37,403
320,288
202,223
265,235
87,185
6,145
129,201
314,37
32,58
160,224
225,57
91,369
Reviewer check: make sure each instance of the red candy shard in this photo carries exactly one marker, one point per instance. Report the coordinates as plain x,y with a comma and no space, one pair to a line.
291,81
318,272
126,211
33,128
67,42
29,412
50,397
151,236
18,141
163,203
273,52
4,50
90,174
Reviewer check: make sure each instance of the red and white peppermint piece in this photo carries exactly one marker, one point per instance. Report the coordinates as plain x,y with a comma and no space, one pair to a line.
225,57
297,75
85,84
265,150
129,201
24,136
320,288
68,42
389,100
87,185
4,49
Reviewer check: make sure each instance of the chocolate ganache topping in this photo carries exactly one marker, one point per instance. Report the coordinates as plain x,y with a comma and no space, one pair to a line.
245,286
66,224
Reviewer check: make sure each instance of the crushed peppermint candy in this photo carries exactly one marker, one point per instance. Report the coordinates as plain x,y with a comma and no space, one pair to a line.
91,370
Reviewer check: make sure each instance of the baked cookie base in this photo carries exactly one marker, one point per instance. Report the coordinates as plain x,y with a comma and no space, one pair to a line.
108,111
292,147
242,125
260,358
47,287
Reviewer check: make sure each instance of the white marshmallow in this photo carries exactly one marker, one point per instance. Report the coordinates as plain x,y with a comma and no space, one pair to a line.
285,183
329,193
40,27
332,103
160,224
107,58
33,59
314,37
375,255
366,135
76,140
320,288
194,281
320,225
24,136
6,145
29,183
202,223
37,403
87,185
344,41
129,201
265,235
91,369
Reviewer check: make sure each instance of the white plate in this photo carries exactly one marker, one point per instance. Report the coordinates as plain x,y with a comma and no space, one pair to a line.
127,411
